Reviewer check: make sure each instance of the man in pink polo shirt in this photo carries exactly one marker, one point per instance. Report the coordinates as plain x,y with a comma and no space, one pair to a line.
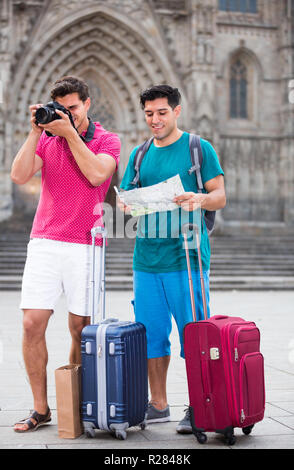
77,165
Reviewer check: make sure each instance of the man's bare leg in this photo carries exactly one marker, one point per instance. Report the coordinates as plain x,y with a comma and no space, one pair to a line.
36,357
157,373
76,323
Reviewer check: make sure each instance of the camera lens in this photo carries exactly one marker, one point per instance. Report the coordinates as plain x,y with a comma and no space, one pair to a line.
44,115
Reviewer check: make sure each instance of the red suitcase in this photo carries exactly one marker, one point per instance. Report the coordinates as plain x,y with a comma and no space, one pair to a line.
225,369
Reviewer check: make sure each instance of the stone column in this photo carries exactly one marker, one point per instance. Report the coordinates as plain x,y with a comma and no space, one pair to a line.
6,204
201,75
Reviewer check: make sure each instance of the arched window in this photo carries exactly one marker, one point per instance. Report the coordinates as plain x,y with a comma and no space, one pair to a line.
238,90
245,6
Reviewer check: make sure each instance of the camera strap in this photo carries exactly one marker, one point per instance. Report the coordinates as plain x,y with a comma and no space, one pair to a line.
90,131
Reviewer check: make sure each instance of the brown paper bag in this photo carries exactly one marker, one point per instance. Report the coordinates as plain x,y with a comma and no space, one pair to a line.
68,400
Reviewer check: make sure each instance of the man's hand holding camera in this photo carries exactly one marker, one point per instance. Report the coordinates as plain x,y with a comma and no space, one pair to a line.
53,118
61,127
35,127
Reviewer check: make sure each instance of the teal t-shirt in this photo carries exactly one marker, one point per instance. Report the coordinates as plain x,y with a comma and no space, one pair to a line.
159,244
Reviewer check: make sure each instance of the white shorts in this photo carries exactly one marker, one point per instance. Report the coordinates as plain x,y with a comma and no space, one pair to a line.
53,267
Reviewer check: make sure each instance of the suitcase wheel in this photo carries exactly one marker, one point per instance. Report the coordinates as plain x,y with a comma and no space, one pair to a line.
201,437
247,430
122,435
230,439
90,432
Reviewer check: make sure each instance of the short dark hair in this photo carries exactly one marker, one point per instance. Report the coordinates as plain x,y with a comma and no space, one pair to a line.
161,91
70,84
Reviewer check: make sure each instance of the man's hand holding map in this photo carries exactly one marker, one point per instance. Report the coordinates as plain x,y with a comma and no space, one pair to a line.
156,198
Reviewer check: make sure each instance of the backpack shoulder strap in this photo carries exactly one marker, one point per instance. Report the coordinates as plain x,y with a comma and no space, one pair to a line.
196,159
141,151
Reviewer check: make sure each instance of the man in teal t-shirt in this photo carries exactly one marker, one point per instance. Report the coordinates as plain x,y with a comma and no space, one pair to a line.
161,287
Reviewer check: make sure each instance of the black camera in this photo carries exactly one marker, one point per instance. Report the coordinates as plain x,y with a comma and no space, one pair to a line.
47,114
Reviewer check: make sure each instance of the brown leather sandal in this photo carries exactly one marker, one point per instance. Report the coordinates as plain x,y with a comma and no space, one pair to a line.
39,419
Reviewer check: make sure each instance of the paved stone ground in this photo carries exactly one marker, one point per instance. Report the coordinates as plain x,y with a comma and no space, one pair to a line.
272,311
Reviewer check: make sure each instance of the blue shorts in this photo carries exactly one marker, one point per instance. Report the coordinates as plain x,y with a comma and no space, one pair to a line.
158,296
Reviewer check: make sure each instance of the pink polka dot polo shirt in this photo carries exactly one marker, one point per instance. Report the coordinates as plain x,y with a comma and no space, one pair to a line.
69,205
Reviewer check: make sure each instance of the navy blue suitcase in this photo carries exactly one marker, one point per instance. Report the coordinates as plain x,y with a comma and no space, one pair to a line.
114,367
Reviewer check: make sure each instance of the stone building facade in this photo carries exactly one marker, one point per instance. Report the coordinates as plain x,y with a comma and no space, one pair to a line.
233,61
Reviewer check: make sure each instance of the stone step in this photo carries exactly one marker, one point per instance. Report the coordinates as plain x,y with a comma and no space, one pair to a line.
225,274
215,260
223,263
124,253
18,239
14,254
217,253
216,283
228,247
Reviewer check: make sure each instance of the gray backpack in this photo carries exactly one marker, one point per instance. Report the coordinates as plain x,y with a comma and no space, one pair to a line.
196,159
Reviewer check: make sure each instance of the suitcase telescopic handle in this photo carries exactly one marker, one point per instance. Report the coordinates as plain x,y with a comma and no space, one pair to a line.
94,232
194,228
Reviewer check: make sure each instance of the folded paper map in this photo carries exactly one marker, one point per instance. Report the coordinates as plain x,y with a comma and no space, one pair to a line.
156,198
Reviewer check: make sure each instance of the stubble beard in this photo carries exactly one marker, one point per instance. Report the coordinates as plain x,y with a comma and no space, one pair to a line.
165,135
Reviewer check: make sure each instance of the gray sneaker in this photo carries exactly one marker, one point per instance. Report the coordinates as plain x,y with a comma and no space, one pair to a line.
184,426
157,416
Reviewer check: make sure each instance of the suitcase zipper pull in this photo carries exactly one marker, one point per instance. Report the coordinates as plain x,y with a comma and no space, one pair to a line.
242,416
236,354
99,352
